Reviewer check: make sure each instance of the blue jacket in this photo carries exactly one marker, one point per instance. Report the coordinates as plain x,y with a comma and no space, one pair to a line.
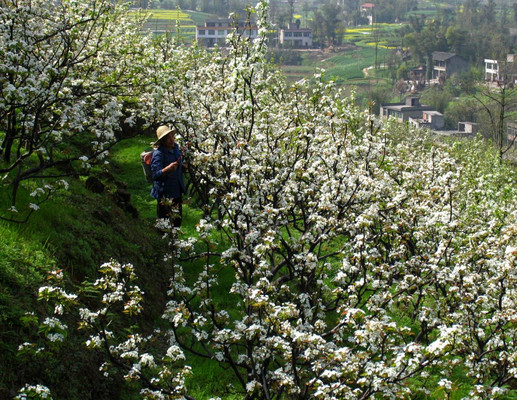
170,185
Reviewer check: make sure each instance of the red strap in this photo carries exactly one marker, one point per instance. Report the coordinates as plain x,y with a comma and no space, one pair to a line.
147,158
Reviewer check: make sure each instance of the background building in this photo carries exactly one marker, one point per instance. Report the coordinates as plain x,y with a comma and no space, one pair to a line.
215,32
447,64
294,36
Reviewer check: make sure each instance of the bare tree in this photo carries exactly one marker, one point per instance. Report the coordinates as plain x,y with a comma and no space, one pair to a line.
498,102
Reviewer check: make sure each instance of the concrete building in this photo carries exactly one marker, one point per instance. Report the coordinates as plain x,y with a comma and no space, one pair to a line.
432,120
447,64
367,11
215,32
295,37
467,128
501,70
411,108
491,70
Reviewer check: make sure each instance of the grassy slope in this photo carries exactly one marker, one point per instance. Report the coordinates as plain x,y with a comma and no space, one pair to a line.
345,65
77,231
185,22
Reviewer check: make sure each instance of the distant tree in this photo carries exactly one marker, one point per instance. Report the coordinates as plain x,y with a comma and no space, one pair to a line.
436,97
282,19
291,10
306,9
393,60
357,18
273,12
417,23
402,71
206,6
497,45
349,6
468,81
221,7
327,22
446,15
488,13
456,38
375,97
401,88
470,14
462,109
503,20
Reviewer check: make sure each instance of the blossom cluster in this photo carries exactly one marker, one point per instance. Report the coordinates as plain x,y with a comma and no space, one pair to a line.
339,256
100,307
67,74
365,256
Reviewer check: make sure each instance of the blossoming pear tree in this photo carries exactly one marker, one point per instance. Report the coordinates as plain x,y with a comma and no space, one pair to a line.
366,260
69,71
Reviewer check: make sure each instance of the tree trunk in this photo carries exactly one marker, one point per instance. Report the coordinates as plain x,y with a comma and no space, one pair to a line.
7,144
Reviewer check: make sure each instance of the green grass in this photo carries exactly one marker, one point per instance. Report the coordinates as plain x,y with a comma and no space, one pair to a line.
363,47
161,21
209,379
76,230
125,160
128,169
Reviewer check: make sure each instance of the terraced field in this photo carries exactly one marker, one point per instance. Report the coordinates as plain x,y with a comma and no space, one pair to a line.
182,21
362,48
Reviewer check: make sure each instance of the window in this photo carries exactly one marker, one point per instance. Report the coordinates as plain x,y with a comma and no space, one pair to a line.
221,32
297,34
201,32
211,32
288,34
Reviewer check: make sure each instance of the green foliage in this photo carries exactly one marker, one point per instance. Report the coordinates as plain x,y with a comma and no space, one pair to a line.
461,109
402,71
436,97
23,266
285,57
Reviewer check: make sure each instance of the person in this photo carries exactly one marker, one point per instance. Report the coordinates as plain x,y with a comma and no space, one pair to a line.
167,171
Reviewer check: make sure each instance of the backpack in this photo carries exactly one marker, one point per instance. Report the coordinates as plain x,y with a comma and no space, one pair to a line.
146,157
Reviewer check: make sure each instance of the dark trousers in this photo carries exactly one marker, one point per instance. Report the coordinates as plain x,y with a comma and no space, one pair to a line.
170,208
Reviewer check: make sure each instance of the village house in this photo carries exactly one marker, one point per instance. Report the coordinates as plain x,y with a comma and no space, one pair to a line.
491,70
431,119
447,64
411,108
367,11
215,32
467,128
501,71
296,37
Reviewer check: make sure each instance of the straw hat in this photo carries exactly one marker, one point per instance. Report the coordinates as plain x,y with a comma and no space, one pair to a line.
162,131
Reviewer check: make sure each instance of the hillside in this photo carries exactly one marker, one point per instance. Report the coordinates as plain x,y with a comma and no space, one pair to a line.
76,231
325,252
